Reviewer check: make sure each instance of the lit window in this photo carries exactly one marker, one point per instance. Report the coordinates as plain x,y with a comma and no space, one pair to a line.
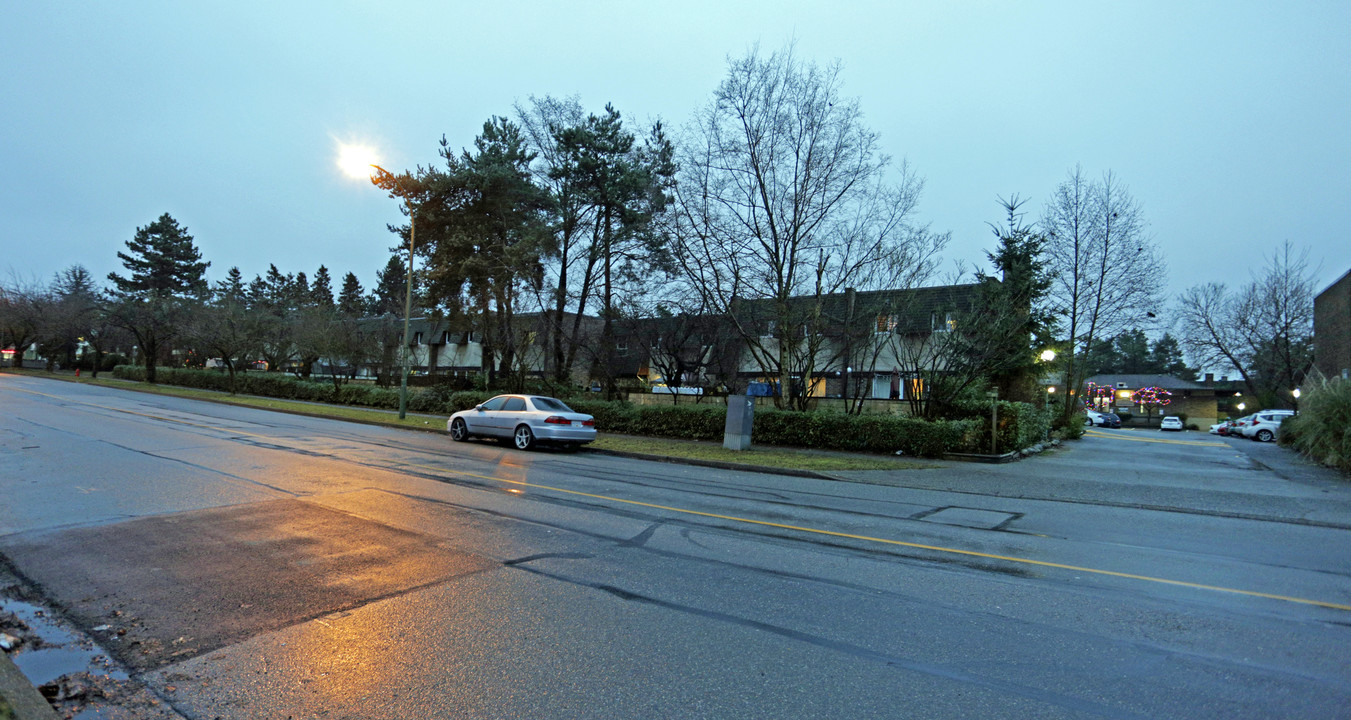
914,388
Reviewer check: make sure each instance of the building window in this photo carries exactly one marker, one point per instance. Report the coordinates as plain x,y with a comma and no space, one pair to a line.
914,389
886,323
417,338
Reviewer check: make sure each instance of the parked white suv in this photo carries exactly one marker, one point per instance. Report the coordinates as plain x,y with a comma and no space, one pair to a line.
1264,425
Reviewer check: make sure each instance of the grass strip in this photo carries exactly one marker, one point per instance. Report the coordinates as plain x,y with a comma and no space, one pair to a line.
765,456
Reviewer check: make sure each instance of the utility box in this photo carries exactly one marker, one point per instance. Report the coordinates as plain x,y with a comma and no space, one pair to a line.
740,415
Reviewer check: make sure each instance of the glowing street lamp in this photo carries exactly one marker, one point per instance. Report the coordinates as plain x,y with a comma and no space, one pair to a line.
356,161
1295,392
1048,355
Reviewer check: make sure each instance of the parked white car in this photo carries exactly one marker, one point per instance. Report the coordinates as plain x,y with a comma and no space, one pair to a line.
1172,422
525,420
1266,424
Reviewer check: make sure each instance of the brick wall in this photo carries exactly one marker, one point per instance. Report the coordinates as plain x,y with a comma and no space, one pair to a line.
1332,328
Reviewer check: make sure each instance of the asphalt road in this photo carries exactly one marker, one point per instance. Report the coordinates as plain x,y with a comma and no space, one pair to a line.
246,564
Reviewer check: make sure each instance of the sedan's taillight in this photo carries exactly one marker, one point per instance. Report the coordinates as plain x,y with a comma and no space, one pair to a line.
557,420
589,423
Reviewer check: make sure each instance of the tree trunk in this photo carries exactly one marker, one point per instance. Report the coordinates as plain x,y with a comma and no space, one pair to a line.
151,350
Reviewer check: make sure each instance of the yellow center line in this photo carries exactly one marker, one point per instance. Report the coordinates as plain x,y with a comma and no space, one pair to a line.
1114,436
784,526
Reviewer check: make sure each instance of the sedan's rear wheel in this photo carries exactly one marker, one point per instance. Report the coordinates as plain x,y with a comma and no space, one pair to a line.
524,438
1265,435
459,432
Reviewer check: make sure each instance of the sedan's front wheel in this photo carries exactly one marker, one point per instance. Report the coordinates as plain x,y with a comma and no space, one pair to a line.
1265,435
458,431
524,438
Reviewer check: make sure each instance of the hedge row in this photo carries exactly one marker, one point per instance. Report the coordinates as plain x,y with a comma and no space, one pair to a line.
819,430
865,433
283,386
1020,425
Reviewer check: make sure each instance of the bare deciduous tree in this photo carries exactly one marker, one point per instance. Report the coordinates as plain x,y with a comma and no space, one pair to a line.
1106,271
23,304
1264,330
785,198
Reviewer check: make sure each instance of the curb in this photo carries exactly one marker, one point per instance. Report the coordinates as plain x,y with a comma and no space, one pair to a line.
979,458
18,698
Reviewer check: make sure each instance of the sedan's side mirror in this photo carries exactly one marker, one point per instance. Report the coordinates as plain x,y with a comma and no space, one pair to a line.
478,408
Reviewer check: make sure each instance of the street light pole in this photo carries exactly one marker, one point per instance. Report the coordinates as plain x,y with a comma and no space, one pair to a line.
392,186
407,311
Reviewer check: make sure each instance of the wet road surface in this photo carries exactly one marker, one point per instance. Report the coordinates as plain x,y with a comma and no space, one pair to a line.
250,564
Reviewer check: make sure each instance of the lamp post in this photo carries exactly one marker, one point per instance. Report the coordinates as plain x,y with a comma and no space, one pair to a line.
1049,357
1295,393
390,183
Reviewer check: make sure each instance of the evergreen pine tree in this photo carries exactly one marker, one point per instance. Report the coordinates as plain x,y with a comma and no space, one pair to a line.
351,299
321,289
390,286
165,273
232,287
163,262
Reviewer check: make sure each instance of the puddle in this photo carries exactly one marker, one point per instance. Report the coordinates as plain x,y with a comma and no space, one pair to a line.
68,668
59,651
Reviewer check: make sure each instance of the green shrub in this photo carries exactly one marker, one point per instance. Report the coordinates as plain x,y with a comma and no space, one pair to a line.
863,433
466,399
611,416
1071,430
369,396
1322,429
688,422
1020,425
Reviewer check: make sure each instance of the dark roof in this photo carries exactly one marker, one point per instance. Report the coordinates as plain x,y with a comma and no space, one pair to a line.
1135,382
914,308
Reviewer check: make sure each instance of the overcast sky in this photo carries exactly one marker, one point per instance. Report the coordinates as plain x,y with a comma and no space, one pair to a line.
1228,121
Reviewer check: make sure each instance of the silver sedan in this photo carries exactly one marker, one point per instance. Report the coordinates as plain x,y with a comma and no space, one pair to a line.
525,420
